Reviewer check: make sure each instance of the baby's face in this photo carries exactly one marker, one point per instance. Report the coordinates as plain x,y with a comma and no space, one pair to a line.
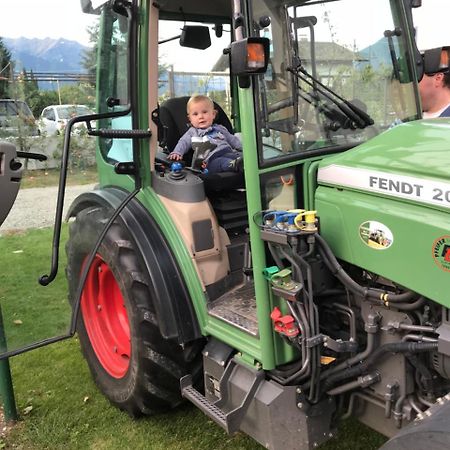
201,114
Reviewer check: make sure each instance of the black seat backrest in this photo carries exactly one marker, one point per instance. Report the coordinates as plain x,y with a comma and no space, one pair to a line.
174,122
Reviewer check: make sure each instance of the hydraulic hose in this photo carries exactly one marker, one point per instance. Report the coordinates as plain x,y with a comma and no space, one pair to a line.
338,271
394,347
410,306
427,377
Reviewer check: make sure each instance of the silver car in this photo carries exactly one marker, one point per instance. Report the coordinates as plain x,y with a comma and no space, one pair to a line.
16,119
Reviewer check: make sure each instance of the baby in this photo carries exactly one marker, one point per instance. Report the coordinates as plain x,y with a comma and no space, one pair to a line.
213,144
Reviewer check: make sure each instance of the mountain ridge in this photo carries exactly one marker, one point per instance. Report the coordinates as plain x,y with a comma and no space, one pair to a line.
46,55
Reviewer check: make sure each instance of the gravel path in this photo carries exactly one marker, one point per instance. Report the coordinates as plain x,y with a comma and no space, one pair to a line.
35,207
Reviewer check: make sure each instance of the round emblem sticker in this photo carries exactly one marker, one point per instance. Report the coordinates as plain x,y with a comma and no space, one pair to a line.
441,252
376,235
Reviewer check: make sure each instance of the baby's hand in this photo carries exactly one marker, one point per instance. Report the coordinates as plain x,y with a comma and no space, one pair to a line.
175,156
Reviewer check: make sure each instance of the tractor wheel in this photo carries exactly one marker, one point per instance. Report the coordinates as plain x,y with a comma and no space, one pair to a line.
132,364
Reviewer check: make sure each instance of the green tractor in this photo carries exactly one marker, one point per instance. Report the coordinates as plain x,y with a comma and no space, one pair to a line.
311,287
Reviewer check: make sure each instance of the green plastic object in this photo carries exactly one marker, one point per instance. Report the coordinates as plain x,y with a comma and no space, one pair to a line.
269,272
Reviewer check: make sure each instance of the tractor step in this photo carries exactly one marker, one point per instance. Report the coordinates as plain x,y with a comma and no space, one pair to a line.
210,409
228,417
238,308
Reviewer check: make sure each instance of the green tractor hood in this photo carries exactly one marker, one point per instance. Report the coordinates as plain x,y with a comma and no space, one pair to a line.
410,161
385,206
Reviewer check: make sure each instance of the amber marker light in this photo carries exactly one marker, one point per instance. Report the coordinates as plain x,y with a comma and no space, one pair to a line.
255,55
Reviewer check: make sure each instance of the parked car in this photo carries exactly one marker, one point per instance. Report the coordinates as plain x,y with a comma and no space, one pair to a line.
16,119
54,118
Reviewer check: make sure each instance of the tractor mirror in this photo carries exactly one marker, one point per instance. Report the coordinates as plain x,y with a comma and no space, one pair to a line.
194,36
92,6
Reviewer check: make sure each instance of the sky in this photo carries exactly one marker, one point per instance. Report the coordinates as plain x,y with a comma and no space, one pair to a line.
431,21
64,19
44,18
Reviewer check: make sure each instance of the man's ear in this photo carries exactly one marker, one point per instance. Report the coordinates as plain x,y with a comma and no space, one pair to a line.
439,77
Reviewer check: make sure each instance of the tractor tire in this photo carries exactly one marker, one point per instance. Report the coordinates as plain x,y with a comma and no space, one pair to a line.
132,364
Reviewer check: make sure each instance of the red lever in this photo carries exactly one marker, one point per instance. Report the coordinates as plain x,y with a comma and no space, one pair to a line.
284,324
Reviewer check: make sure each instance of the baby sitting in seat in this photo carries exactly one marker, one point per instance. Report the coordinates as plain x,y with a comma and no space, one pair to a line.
215,148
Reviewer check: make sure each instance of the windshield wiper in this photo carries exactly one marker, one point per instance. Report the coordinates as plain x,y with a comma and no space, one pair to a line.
358,118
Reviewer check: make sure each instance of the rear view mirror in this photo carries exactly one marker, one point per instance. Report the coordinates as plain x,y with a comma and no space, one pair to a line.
194,36
92,6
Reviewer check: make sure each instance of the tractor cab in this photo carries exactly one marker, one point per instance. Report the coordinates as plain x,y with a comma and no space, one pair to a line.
297,81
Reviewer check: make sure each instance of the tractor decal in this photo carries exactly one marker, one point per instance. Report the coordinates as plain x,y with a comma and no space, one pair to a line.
394,185
441,252
376,235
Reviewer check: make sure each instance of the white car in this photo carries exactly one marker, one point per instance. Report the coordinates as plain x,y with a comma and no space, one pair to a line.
54,118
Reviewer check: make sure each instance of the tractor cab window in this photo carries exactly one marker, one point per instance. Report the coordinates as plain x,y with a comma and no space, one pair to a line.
331,82
183,71
112,82
188,64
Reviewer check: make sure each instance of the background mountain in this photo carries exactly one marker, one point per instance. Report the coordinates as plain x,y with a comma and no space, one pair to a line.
46,55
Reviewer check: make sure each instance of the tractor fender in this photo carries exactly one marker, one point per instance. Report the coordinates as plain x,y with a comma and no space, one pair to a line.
176,315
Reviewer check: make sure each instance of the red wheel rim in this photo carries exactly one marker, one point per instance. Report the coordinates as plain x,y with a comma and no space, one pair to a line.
106,319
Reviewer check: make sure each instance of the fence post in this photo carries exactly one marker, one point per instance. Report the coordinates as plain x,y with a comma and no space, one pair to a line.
171,76
6,385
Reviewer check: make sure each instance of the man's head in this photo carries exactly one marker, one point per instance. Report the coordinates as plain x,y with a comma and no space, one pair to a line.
434,87
201,112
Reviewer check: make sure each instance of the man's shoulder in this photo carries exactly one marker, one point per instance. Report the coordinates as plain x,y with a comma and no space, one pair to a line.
446,112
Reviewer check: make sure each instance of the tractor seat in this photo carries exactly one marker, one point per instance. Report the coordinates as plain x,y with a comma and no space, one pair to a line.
174,123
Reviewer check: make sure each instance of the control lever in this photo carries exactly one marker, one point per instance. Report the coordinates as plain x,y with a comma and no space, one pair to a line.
30,155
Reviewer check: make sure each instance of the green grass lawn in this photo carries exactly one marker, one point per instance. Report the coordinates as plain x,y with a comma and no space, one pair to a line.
50,177
30,311
59,405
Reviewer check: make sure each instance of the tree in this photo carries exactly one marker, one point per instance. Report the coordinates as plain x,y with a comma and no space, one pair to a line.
5,61
89,58
41,99
81,94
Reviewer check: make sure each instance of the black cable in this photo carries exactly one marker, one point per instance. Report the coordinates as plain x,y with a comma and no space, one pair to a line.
338,271
90,259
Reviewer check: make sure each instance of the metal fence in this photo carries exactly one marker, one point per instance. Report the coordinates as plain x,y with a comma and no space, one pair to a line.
177,84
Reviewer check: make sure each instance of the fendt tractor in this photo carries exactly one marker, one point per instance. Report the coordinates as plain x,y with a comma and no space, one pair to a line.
311,287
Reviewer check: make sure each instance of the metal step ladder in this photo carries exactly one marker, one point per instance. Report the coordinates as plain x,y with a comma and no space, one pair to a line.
229,420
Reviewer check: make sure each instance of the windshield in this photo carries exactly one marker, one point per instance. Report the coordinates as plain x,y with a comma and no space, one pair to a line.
338,74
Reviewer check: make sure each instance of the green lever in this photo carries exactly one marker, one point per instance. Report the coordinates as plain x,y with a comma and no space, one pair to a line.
269,272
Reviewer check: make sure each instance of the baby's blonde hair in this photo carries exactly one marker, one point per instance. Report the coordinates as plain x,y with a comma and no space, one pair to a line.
197,99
